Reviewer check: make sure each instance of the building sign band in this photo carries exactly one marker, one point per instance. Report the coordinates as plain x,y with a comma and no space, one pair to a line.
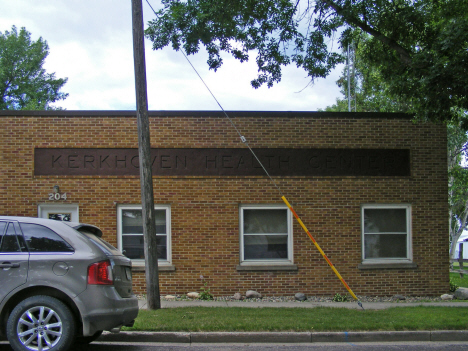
225,162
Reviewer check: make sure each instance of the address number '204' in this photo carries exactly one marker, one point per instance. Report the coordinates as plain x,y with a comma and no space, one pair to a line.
57,196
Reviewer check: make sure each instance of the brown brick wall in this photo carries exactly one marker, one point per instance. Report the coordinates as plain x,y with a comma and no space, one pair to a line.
205,210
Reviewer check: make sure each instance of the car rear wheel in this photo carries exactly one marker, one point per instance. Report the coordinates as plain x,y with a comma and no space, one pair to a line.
41,323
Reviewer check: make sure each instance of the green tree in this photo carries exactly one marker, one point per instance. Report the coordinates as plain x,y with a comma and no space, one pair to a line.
24,84
364,85
419,47
457,153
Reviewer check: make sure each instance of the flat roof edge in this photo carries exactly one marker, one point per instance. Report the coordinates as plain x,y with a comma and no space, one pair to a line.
200,113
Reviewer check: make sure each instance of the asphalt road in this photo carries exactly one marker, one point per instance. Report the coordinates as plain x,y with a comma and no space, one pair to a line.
398,346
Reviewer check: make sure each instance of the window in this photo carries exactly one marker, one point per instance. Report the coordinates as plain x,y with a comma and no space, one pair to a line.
41,239
11,239
266,234
386,231
66,217
3,226
59,212
2,229
130,228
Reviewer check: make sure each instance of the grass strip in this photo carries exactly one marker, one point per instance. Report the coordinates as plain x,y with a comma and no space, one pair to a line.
461,282
216,319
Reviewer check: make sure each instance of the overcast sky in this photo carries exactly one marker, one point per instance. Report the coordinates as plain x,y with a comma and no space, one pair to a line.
90,42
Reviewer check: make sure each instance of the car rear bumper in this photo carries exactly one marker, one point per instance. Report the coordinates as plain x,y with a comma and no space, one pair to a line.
102,308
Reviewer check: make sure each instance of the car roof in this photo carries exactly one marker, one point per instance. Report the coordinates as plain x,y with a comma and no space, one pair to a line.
27,219
53,224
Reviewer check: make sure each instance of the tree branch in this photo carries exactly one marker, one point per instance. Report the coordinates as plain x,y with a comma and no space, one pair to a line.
405,55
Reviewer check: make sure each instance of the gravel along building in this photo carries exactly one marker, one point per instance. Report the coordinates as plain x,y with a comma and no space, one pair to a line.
370,187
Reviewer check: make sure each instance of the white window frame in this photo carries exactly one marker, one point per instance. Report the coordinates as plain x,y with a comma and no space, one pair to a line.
409,248
141,262
256,262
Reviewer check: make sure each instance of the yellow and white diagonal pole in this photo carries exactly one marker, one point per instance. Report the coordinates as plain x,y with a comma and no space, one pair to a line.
321,251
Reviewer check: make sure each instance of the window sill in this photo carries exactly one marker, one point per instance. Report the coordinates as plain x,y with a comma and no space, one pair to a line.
387,265
267,267
165,268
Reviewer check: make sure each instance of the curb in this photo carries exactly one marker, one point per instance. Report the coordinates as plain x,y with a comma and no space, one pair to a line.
285,337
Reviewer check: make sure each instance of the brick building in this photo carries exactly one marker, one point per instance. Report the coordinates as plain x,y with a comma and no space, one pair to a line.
371,188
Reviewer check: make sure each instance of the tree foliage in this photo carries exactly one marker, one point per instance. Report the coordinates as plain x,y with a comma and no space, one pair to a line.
24,84
457,153
364,85
419,47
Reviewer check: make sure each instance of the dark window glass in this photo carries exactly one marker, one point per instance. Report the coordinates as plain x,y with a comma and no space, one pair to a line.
42,239
134,248
102,244
385,220
2,230
132,233
385,233
385,246
265,221
265,247
265,234
12,241
66,217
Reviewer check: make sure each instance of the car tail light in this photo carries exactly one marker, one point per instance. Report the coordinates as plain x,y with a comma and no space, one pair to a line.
100,273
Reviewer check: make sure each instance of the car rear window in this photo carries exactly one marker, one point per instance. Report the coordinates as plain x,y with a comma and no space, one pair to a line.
104,245
42,239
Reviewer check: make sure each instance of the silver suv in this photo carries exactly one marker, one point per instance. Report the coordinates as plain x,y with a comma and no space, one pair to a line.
60,284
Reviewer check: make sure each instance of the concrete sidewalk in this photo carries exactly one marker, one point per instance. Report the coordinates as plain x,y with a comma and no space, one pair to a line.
290,337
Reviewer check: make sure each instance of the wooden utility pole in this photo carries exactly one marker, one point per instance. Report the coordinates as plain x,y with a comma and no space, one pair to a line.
144,153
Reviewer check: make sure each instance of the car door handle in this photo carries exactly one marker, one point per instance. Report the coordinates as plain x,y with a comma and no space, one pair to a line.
9,265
